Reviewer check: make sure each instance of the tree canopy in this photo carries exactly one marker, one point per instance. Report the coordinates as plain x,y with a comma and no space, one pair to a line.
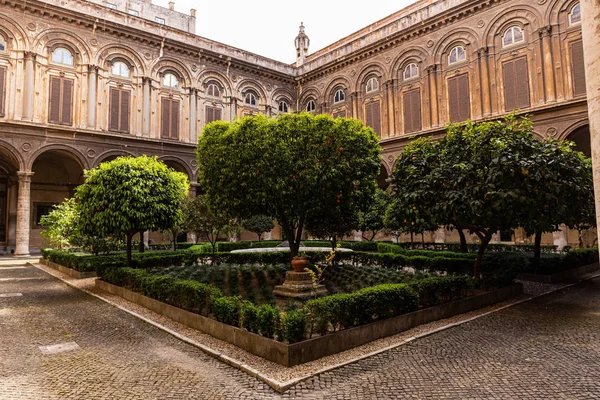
372,219
128,195
258,224
287,167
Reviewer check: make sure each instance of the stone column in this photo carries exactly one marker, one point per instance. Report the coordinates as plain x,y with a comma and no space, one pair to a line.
233,108
590,26
91,97
23,213
433,103
146,84
29,86
561,237
390,92
354,101
549,82
484,81
193,115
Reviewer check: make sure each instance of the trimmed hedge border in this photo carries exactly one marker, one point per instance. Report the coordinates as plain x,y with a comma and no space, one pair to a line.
312,349
570,274
69,271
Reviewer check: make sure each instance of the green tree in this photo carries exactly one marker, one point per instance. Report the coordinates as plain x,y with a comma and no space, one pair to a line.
332,221
373,219
286,167
128,195
258,224
474,178
60,226
208,223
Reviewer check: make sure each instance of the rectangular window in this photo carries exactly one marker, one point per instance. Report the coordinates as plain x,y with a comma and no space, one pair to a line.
212,114
169,118
412,110
134,12
577,68
459,100
516,84
373,116
40,210
159,20
61,101
119,110
339,114
2,93
111,6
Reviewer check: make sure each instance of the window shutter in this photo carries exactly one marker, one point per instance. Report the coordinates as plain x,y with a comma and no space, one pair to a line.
415,106
67,102
165,117
2,89
464,98
212,114
376,117
217,112
369,115
453,99
407,114
174,119
522,82
113,123
124,111
340,114
578,68
510,85
54,98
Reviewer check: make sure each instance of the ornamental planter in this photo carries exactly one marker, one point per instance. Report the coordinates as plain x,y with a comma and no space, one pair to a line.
298,264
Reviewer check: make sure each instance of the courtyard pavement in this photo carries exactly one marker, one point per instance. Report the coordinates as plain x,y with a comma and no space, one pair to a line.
547,348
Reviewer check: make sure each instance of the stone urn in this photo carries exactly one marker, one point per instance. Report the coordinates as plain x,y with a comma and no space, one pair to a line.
299,264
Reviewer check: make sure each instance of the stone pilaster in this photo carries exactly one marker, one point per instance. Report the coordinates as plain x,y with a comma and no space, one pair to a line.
391,95
433,103
485,81
28,86
440,235
561,237
92,97
193,115
590,26
146,83
233,106
354,101
23,213
549,82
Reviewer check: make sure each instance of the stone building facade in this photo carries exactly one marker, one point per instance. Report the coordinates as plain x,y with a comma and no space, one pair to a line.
82,82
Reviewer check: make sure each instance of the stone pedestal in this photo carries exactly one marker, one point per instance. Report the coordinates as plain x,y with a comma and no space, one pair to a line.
299,286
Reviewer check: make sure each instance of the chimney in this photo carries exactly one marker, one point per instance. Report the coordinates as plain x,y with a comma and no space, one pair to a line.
301,43
193,12
172,5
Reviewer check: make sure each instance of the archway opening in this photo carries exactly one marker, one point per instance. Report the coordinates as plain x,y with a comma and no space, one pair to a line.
383,180
581,137
56,175
9,165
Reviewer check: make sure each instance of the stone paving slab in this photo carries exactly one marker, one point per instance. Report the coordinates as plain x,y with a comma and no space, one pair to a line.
547,348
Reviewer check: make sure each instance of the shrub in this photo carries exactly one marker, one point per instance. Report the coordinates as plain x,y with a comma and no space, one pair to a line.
194,296
227,309
360,246
442,289
268,320
294,327
250,319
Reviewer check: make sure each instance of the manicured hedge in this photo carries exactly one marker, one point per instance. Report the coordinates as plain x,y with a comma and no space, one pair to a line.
437,290
492,247
554,263
342,311
169,246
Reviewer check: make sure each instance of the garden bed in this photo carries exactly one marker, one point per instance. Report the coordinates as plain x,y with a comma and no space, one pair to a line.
69,271
567,275
308,350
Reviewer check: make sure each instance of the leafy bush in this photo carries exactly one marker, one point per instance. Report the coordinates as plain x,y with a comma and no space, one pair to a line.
294,327
360,246
250,319
227,309
491,248
268,320
437,290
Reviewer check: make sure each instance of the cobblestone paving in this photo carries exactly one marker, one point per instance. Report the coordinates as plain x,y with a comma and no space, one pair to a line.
548,348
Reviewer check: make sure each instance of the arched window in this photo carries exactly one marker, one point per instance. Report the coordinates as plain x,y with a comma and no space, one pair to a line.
121,69
513,35
457,54
250,99
170,80
60,55
339,96
411,71
283,106
2,44
372,85
213,90
575,15
311,106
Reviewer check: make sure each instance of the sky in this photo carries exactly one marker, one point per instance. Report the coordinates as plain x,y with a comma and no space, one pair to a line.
269,27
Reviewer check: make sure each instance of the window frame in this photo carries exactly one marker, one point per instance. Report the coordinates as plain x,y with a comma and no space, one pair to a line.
406,68
374,88
458,61
253,99
62,63
314,105
160,20
513,42
339,96
135,13
164,77
578,22
287,106
216,87
120,62
111,6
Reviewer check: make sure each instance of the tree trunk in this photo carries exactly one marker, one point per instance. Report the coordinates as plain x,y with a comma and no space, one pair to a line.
259,236
423,240
477,267
333,242
128,249
141,245
373,236
411,241
537,247
463,241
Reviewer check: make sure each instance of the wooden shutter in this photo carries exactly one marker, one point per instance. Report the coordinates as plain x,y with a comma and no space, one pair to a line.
124,111
339,114
212,114
459,98
577,68
165,118
67,102
217,114
54,99
2,89
373,116
412,110
516,84
113,123
174,119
